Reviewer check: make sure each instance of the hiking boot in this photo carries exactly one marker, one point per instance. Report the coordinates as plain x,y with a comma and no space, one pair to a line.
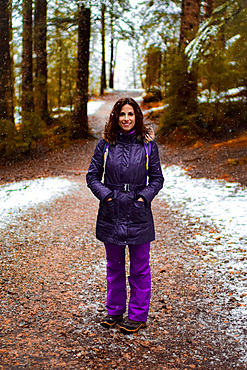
130,326
111,320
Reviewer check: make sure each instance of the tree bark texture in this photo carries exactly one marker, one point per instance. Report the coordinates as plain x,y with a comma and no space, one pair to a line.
27,58
6,88
112,63
79,119
208,8
103,69
153,67
40,41
59,51
190,21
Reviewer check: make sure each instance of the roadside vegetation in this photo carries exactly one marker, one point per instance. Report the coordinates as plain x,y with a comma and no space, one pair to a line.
189,56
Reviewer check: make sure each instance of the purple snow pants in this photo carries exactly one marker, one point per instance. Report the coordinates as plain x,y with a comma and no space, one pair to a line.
139,280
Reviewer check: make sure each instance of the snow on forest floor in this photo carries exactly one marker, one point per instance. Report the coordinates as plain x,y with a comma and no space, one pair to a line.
17,197
196,202
93,106
221,205
218,203
215,202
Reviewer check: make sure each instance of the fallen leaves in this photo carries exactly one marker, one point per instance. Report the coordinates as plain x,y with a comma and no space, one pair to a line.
145,344
54,291
234,162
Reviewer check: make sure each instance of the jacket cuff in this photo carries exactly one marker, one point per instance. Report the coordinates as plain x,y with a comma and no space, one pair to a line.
110,195
141,196
146,195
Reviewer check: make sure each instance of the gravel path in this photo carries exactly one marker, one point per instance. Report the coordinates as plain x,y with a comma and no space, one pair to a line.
53,289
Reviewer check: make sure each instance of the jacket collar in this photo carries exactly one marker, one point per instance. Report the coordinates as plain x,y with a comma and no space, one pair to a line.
127,138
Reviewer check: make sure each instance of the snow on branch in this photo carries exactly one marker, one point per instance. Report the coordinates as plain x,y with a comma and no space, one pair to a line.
211,27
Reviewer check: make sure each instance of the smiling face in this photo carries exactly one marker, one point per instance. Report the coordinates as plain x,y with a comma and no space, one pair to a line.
126,120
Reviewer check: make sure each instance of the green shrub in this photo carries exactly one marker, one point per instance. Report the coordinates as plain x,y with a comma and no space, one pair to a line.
14,140
32,127
211,120
8,135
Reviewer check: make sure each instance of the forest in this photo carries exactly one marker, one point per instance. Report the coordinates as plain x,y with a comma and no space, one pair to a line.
185,62
56,55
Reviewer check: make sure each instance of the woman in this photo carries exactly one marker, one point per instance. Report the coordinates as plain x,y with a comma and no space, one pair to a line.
125,216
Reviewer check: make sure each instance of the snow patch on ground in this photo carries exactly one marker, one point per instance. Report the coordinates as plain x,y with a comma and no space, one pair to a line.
18,196
217,201
223,205
93,106
214,202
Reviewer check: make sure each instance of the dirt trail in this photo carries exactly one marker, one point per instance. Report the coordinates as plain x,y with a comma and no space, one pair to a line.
53,289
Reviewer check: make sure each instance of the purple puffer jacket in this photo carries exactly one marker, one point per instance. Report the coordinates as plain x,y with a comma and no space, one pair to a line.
124,220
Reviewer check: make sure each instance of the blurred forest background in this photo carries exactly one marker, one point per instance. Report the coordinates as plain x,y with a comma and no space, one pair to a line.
189,55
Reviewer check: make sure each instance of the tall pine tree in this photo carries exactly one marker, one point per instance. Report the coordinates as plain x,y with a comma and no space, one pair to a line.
27,58
103,63
40,48
187,91
6,90
79,119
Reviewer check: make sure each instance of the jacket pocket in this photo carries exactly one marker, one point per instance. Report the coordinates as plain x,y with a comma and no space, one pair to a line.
140,212
108,210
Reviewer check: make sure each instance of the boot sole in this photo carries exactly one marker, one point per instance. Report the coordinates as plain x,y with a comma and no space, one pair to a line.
107,325
131,331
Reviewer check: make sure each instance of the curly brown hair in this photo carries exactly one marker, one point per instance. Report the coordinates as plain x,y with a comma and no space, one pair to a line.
111,128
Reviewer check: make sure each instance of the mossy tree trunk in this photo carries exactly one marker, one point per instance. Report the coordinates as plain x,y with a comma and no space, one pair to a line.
79,118
153,67
6,88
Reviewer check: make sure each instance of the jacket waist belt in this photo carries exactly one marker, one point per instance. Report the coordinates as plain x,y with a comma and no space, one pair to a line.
126,188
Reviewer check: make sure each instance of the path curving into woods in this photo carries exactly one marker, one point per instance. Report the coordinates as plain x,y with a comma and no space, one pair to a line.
53,286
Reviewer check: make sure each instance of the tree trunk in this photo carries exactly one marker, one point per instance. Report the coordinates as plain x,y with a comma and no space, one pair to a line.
103,69
153,66
208,8
134,67
40,41
190,20
60,54
59,83
111,74
6,88
79,119
27,59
